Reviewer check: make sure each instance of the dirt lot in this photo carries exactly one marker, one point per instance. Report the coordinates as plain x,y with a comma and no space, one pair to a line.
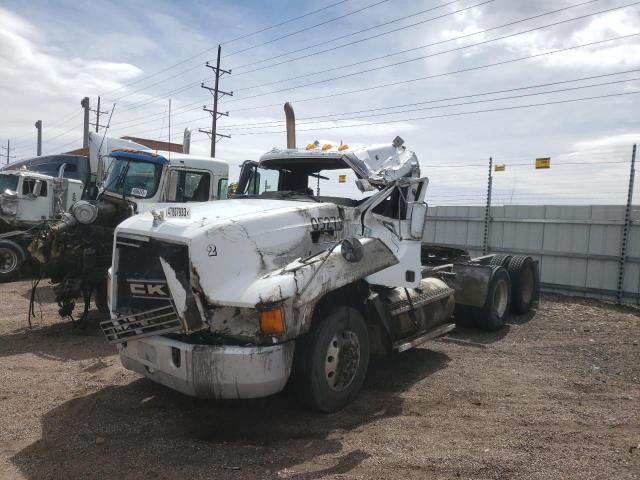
554,395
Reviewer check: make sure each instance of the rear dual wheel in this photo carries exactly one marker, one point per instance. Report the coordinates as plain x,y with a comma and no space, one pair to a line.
493,314
525,283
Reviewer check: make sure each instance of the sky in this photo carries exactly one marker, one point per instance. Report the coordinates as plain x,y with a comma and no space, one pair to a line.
459,81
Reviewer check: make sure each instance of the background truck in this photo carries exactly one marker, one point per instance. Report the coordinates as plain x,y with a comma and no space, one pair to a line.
27,200
76,250
38,191
235,299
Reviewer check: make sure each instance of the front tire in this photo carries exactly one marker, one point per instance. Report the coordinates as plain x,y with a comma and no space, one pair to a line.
11,259
331,361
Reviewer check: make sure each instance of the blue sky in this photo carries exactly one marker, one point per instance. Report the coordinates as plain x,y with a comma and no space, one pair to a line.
54,53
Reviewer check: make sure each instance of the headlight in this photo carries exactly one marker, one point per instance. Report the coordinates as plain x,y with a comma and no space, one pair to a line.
84,212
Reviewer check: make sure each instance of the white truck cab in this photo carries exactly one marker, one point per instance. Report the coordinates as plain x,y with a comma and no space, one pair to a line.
147,177
27,198
235,298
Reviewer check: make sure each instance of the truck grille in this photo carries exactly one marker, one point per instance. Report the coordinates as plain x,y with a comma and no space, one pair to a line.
143,324
141,285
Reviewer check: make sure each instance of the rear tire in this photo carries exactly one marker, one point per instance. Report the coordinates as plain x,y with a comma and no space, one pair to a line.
331,361
501,260
11,260
525,283
493,314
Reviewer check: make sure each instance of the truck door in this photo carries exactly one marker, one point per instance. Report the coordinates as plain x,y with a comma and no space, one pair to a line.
398,220
35,202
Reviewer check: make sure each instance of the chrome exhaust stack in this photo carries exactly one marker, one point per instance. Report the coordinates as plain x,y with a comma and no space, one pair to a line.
291,125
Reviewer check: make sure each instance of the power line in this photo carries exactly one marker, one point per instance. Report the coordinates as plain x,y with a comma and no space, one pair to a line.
510,97
366,124
193,84
334,39
404,62
241,37
380,2
453,72
421,46
276,123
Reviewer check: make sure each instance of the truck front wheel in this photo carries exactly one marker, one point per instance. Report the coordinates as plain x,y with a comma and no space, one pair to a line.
331,360
11,259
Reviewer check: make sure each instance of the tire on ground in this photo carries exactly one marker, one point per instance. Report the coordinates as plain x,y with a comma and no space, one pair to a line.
11,259
493,314
331,361
525,283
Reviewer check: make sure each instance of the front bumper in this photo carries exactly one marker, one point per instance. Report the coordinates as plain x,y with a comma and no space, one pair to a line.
206,371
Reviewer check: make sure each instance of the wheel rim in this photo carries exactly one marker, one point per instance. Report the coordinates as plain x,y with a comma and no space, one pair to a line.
527,285
342,360
8,260
501,298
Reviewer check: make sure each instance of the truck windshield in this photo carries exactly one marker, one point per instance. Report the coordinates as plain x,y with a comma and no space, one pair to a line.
8,183
132,178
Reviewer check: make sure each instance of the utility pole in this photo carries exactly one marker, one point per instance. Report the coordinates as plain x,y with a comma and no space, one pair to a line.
39,128
487,210
625,229
217,94
97,112
85,130
8,149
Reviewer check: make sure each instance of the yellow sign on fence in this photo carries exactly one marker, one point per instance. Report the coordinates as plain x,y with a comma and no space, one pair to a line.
342,179
543,163
500,167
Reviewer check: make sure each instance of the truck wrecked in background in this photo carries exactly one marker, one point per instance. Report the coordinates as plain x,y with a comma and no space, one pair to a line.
76,250
27,201
37,191
237,298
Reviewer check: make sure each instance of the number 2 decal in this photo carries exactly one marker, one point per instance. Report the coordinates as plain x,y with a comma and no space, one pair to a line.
212,250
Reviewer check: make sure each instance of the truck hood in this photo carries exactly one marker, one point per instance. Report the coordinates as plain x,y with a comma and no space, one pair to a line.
234,242
207,215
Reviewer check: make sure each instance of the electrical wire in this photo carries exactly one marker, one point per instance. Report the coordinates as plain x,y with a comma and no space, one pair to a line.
444,74
197,83
366,124
448,40
241,37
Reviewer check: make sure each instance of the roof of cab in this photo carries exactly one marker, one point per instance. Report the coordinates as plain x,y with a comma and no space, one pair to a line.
175,159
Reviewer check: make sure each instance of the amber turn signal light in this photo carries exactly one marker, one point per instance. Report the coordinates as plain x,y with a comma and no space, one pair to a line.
271,321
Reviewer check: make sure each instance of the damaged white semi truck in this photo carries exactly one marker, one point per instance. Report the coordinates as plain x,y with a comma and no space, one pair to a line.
239,297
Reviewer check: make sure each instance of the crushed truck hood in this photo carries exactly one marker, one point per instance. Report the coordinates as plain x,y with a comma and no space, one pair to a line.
234,242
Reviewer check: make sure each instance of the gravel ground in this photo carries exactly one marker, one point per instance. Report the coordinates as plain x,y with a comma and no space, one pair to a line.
554,395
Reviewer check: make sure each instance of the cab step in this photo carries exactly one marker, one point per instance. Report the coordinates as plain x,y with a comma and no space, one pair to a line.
419,339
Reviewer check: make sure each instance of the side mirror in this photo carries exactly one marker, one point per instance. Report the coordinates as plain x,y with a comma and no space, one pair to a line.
172,185
418,217
352,249
37,187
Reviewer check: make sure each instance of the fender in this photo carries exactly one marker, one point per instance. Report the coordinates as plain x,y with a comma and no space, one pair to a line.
301,284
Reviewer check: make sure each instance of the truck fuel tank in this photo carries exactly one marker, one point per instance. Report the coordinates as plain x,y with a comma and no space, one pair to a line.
415,310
